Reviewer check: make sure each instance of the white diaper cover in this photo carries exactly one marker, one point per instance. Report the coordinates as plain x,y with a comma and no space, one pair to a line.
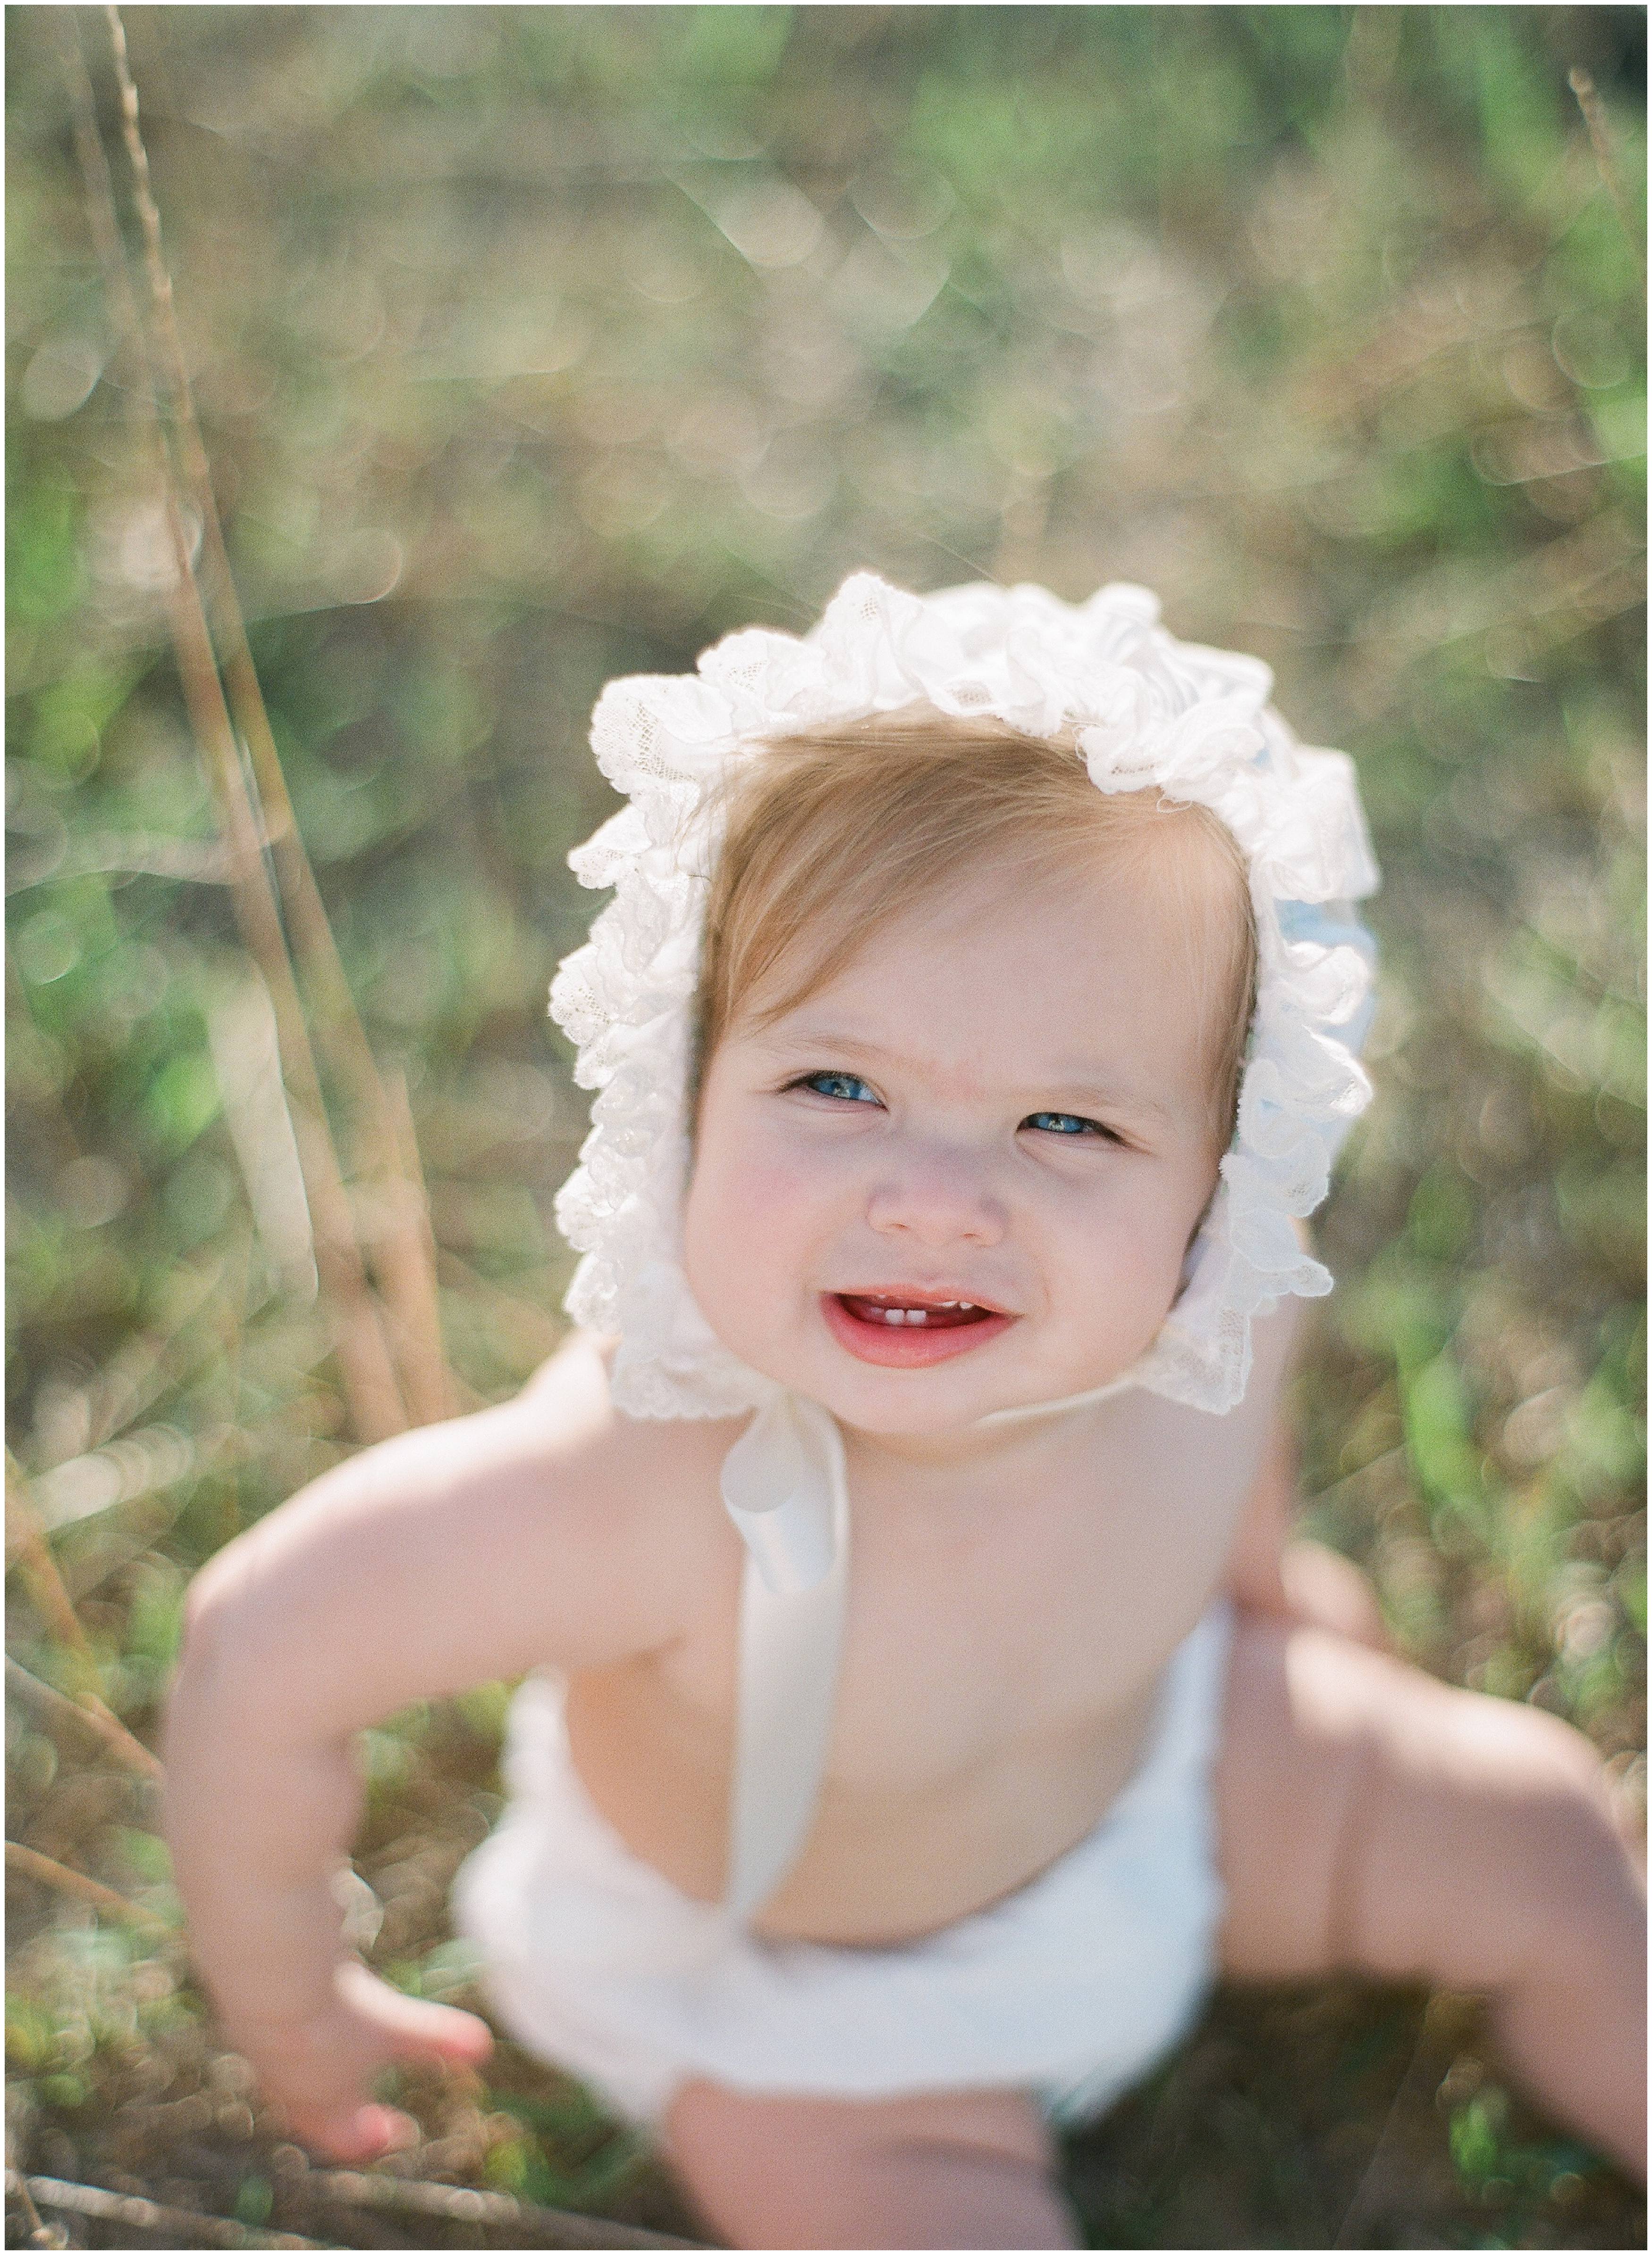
1073,1986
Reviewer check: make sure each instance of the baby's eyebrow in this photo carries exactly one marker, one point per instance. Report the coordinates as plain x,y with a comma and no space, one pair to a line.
1074,1085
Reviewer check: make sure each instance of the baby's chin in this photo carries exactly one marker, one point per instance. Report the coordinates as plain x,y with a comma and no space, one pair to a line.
945,1399
933,1413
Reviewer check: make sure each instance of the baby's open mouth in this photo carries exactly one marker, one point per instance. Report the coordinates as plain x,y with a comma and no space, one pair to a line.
909,1330
934,1315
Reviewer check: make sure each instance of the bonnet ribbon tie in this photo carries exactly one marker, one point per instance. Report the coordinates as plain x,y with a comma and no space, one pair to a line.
782,1483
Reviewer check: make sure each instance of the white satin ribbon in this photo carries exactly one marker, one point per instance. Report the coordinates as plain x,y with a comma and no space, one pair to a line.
782,1483
1055,1409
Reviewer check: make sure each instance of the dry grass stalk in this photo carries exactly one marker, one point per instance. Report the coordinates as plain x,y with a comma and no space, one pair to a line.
408,1288
182,2226
30,1863
1605,157
41,2235
143,1367
369,1379
342,1040
450,2204
403,1250
26,1546
235,1310
55,1710
370,1384
463,2204
100,207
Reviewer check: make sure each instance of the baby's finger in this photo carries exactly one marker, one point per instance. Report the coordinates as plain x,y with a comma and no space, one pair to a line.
390,2131
354,2133
425,2031
411,2028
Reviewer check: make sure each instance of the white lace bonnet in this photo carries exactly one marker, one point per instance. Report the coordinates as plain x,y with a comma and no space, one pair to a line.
1145,710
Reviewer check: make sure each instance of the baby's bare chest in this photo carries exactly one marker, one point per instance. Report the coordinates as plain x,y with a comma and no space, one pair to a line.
1032,1621
998,1671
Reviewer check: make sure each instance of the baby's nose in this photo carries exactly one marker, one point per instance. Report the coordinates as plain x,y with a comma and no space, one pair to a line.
938,1200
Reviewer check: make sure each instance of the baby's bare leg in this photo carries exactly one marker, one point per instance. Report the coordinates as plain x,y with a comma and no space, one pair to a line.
1375,1821
958,2169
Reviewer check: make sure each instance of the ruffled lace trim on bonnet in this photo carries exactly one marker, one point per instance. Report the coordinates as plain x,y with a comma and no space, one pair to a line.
1147,711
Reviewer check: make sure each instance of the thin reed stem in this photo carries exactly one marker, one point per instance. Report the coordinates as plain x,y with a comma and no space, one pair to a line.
98,199
1605,158
369,1379
26,1544
145,1365
464,2204
410,1295
235,1309
30,1863
403,1251
130,2212
41,2235
55,1710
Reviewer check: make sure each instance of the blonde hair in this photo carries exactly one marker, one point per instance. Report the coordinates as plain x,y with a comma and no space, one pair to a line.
831,835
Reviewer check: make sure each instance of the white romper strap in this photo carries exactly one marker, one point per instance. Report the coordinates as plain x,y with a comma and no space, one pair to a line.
782,1483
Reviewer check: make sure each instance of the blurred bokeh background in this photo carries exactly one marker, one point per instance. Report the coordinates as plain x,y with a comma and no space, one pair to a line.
535,345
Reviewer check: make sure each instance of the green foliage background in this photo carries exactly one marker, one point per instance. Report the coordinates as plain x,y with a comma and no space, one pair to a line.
535,345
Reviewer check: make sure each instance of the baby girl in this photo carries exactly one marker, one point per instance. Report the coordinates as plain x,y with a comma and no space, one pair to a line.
918,1722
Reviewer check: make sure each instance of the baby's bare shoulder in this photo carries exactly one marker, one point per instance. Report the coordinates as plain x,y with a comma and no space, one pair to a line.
650,1477
549,1530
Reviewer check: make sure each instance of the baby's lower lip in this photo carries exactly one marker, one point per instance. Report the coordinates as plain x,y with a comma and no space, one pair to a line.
865,1328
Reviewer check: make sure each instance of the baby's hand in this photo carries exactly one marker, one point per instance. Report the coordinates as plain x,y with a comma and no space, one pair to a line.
319,2070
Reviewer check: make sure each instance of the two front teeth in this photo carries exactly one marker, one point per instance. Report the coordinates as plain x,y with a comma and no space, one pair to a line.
922,1315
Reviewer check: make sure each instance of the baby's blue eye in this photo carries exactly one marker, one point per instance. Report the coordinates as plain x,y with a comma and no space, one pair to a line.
1063,1123
848,1087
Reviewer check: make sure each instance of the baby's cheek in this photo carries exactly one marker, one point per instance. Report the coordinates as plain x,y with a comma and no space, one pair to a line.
742,1213
1158,1260
1127,1277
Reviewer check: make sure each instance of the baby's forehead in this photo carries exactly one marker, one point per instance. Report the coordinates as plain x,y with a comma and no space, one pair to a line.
1062,969
1172,903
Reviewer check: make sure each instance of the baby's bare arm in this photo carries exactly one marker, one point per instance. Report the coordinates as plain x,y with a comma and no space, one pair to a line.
1256,1567
1271,1569
460,1553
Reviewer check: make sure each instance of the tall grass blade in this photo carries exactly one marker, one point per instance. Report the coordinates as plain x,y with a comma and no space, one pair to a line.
408,1285
366,1368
